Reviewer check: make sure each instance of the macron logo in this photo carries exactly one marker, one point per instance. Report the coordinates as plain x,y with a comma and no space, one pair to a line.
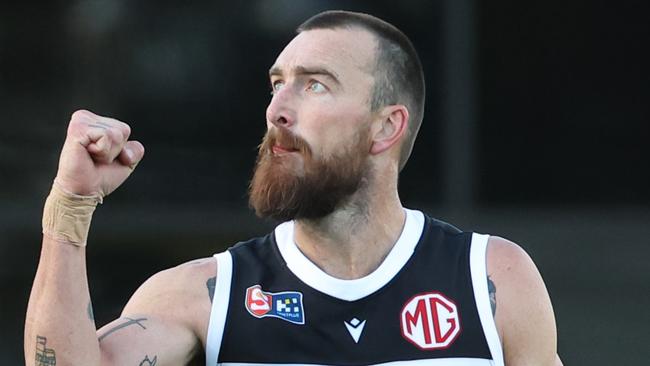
355,328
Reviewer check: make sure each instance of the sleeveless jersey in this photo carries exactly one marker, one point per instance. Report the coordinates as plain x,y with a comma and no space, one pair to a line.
426,304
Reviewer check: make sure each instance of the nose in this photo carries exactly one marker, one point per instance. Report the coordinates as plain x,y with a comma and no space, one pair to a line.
281,111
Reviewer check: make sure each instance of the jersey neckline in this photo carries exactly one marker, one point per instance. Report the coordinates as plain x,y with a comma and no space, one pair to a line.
350,290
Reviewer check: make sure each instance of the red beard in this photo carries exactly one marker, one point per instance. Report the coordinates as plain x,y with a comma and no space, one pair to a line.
288,187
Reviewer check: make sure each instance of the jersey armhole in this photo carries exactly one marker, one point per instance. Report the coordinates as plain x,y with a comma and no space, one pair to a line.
219,310
478,269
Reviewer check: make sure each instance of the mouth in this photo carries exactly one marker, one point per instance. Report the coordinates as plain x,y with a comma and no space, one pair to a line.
279,150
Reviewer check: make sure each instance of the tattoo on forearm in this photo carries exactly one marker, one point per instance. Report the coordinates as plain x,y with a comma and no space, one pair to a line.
492,290
44,356
91,315
212,281
127,323
148,362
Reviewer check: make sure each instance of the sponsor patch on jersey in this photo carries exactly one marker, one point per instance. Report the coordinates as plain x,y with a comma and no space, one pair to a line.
430,321
286,305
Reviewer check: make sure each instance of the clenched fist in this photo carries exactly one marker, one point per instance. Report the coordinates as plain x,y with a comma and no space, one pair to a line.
97,155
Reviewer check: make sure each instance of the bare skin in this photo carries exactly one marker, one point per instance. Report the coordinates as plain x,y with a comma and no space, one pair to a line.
165,322
329,120
523,314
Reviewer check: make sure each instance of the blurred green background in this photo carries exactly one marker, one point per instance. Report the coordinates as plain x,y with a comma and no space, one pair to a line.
536,129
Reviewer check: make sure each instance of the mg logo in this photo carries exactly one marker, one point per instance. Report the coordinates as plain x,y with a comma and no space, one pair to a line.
430,321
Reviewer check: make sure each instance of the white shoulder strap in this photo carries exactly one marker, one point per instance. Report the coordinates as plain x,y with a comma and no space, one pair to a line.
478,269
219,309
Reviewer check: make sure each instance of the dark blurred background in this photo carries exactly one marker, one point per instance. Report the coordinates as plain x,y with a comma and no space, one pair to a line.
536,128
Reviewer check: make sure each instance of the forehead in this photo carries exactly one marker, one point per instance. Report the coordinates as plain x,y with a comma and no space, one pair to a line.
345,51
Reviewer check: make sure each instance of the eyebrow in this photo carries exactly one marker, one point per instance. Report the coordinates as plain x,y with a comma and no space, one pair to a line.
304,70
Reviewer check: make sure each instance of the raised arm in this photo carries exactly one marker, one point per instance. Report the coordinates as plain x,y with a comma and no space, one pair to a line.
521,306
96,158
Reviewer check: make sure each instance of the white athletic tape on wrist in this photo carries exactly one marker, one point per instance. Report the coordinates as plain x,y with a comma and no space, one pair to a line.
67,216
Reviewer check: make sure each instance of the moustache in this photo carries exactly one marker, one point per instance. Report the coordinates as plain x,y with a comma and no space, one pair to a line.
281,136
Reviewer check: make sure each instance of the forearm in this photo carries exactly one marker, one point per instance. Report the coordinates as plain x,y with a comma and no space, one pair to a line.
59,324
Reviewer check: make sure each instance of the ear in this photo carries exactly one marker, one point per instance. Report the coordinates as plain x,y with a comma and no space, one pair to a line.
389,128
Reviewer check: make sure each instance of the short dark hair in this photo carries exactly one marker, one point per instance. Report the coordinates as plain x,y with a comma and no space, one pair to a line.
399,78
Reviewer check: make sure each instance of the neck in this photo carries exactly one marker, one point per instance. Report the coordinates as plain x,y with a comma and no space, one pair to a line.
354,240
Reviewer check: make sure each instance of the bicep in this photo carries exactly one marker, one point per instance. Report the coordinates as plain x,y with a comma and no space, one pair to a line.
158,325
524,314
143,339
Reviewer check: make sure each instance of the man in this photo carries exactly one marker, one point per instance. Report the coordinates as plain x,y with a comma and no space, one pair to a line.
351,277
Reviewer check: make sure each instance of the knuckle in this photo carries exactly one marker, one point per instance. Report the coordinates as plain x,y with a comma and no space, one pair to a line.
78,114
127,128
106,148
76,127
115,134
121,134
79,122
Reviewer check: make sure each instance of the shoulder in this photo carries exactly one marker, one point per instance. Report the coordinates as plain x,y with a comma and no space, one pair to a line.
524,315
510,265
504,256
176,285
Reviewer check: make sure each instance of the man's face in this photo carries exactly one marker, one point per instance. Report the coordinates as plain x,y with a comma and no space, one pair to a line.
315,152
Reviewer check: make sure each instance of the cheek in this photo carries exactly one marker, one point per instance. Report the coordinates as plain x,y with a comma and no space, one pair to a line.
330,125
335,137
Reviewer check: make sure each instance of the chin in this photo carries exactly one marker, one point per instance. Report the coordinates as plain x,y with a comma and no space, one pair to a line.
289,163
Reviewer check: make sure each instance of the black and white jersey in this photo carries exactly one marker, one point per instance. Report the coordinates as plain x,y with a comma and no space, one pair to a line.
426,304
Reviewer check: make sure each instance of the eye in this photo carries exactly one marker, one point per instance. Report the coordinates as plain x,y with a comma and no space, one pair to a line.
276,85
317,87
